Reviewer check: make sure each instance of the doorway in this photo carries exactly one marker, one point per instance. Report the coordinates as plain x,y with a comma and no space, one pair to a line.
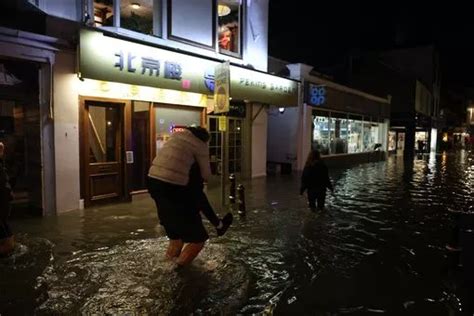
102,152
234,141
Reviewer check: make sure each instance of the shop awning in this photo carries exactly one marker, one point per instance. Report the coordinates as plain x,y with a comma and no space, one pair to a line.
111,59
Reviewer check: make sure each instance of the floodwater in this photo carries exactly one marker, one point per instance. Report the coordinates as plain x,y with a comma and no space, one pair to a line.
378,249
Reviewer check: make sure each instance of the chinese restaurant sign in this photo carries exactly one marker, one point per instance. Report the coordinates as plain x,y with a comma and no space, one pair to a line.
110,59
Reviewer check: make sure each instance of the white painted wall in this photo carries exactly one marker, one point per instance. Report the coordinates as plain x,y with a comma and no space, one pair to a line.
259,143
256,34
305,138
66,118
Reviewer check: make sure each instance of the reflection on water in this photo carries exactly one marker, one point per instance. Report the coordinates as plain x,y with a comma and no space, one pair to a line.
379,248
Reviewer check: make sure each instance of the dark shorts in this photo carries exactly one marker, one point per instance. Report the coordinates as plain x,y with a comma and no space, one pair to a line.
177,211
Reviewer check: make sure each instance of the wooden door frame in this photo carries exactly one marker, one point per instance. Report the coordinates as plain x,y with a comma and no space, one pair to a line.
126,120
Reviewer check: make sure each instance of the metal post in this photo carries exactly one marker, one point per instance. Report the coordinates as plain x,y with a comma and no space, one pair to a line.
223,168
232,188
241,199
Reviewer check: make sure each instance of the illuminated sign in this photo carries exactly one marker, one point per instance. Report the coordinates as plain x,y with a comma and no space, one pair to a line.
221,85
106,89
177,128
107,58
315,94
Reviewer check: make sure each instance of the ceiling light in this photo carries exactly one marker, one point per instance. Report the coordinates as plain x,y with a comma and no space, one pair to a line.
135,5
223,10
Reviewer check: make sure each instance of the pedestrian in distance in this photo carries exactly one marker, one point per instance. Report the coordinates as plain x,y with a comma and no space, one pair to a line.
7,243
178,201
315,181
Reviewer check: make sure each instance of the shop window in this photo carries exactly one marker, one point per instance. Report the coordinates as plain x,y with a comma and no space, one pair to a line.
168,120
137,15
401,140
229,26
367,137
103,13
421,141
321,136
338,135
392,140
354,140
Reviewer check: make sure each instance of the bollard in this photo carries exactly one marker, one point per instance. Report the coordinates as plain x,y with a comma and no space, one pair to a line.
232,189
241,199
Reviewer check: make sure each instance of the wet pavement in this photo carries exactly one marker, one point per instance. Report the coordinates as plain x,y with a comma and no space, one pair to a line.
379,248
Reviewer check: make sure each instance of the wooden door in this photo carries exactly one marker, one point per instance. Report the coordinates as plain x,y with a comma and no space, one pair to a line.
103,152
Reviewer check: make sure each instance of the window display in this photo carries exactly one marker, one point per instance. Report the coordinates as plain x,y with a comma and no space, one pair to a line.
320,139
401,141
421,141
371,136
167,118
355,135
392,140
338,135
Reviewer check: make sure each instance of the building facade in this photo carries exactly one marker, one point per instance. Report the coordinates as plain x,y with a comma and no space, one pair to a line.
138,71
345,125
412,78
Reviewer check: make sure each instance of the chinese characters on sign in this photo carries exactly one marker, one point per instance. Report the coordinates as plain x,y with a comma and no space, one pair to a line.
148,65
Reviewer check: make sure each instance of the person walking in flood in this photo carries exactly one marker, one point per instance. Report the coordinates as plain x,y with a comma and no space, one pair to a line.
177,200
7,243
315,180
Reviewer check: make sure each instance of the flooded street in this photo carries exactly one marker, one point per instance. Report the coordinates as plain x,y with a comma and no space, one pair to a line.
379,248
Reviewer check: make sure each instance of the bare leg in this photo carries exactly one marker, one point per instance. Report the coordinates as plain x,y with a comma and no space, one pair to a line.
190,251
174,248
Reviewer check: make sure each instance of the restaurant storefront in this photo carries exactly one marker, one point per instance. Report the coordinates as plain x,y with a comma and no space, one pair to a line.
134,96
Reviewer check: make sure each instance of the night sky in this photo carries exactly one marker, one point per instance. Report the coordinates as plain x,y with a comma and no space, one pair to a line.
322,32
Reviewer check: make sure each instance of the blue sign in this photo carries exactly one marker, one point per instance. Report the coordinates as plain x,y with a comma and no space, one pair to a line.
316,94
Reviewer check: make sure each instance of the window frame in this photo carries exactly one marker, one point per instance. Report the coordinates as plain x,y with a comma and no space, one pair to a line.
164,31
170,35
237,54
157,22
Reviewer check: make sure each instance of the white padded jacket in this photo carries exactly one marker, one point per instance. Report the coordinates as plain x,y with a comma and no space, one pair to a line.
173,162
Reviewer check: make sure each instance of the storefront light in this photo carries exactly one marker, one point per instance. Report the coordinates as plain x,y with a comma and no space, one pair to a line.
281,110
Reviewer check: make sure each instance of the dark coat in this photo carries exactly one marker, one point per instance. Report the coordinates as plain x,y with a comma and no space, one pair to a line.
5,189
315,177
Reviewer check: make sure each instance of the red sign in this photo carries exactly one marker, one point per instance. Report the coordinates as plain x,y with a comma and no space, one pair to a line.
178,128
